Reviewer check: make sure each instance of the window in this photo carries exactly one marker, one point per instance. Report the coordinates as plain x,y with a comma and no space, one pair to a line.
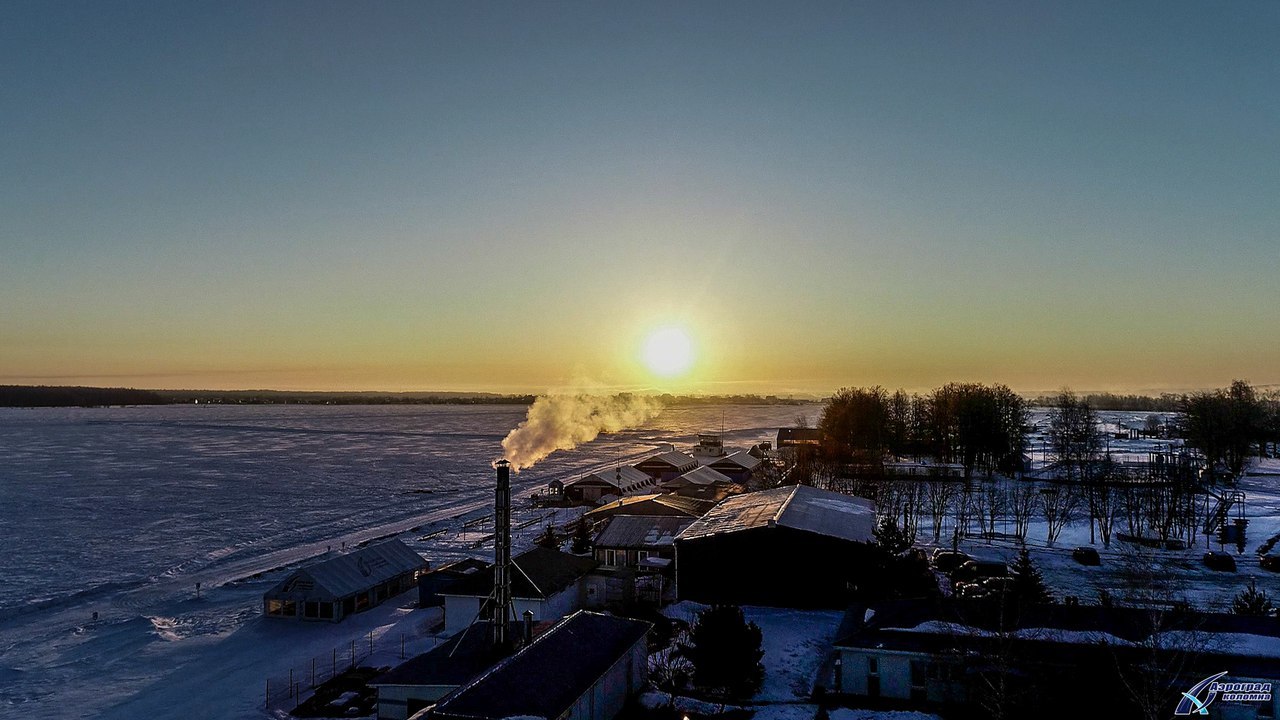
290,608
919,672
873,666
642,556
610,558
311,609
275,607
326,611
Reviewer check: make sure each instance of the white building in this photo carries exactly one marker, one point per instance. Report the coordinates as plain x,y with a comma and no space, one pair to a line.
547,582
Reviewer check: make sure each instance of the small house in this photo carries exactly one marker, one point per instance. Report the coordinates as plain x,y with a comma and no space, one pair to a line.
700,482
630,540
657,504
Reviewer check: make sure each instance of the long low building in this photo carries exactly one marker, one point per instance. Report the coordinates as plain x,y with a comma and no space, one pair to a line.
791,546
346,584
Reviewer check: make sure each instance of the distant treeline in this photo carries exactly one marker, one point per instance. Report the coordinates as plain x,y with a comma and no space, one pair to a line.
53,396
1166,402
46,396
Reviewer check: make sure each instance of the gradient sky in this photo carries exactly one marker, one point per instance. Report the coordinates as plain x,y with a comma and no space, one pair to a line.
511,196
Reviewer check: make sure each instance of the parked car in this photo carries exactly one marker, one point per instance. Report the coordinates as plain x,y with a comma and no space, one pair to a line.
997,584
971,590
948,560
972,570
1221,561
1086,556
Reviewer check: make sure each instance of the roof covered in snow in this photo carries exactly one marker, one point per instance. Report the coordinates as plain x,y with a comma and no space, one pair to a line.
655,504
700,476
677,460
641,531
798,507
741,459
352,573
545,678
623,477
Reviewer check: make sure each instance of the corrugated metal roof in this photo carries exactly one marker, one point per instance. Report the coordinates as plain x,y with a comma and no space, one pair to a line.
352,573
642,531
742,459
539,573
701,476
624,477
639,505
677,460
798,507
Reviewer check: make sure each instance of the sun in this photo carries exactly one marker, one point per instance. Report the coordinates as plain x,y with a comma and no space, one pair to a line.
668,352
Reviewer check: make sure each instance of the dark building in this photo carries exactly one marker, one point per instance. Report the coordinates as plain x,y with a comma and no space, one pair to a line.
446,578
948,654
738,466
583,668
792,546
796,437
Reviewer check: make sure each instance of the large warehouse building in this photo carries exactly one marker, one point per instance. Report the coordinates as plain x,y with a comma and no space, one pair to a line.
340,586
791,546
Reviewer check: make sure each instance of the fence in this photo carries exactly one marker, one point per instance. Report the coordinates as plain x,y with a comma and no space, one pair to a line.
286,688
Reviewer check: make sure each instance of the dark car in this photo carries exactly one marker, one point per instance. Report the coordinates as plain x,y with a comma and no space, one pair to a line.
1086,556
1218,560
973,570
948,560
1269,562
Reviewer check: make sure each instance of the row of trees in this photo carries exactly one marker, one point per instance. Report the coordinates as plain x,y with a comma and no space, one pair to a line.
974,425
1225,425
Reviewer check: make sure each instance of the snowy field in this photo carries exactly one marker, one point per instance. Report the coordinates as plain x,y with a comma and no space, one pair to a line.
121,511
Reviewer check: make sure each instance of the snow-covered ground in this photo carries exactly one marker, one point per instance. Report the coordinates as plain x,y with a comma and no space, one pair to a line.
121,511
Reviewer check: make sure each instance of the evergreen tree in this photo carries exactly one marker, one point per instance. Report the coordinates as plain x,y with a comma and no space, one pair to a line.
890,537
581,537
1028,587
1252,601
548,539
725,652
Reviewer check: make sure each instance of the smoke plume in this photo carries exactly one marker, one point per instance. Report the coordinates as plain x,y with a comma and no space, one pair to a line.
562,422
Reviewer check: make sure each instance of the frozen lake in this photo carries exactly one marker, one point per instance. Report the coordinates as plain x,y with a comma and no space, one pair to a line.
120,511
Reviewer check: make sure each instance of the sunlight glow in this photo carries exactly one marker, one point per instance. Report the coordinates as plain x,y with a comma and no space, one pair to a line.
668,352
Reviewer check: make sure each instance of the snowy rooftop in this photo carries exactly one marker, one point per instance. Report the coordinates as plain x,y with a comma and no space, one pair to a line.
638,531
623,477
672,458
354,572
742,459
798,507
701,476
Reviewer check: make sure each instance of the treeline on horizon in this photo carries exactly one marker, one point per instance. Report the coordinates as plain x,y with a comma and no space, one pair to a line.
77,396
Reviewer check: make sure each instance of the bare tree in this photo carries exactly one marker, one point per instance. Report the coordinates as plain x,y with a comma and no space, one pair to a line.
1023,500
938,496
1058,506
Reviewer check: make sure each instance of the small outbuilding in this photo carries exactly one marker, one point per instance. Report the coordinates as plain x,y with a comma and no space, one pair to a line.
586,667
792,546
346,584
447,577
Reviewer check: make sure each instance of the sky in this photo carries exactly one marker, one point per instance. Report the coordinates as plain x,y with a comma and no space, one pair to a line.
512,197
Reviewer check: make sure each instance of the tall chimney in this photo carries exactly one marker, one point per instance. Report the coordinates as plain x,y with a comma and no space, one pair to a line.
502,610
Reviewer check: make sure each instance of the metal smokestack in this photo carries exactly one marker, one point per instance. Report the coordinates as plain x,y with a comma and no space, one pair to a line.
502,609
